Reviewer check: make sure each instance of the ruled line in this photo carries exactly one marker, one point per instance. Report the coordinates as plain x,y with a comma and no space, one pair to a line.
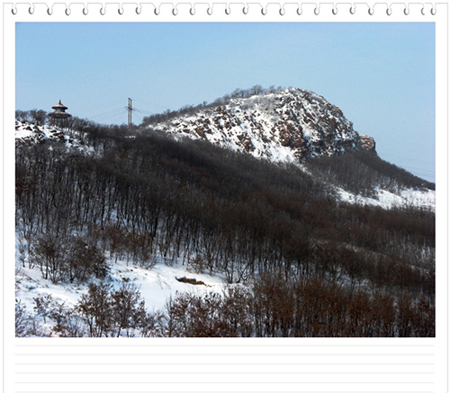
225,354
226,345
224,382
142,391
223,364
222,372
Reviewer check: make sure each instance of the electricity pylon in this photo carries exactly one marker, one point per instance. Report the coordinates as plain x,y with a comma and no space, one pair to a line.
130,111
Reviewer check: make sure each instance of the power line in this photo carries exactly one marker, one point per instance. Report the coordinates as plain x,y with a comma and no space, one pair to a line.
110,112
412,159
143,112
153,104
117,117
104,104
418,169
114,114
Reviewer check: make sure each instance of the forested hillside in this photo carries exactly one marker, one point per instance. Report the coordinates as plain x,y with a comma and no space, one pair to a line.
299,261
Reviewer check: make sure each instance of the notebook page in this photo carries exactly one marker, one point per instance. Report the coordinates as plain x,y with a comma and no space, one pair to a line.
46,360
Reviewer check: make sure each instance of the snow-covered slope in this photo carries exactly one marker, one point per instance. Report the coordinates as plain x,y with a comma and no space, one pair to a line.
30,134
424,199
287,126
281,126
156,286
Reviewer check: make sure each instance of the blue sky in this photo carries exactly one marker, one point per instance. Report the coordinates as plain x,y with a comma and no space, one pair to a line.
382,75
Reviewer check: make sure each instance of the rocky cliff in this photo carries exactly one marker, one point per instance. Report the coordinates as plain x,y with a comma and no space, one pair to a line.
287,125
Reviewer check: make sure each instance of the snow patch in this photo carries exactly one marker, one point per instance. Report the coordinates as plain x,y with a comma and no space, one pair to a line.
425,199
156,285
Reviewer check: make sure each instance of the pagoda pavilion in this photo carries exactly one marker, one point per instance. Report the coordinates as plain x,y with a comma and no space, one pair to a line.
59,116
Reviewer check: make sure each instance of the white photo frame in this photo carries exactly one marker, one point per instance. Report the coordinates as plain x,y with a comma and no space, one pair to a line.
74,365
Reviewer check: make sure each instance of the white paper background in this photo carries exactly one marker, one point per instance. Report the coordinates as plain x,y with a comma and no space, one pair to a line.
224,365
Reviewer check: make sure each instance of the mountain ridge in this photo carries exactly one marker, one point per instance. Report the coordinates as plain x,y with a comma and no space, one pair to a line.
291,126
286,125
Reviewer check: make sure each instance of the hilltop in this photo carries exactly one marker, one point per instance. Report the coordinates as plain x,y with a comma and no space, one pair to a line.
286,125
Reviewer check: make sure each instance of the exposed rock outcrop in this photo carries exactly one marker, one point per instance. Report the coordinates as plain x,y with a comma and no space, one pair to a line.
367,142
287,125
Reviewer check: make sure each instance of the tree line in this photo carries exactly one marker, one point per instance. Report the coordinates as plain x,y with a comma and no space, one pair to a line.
221,101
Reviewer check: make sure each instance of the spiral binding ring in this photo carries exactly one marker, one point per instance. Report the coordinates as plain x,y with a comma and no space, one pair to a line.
50,9
209,11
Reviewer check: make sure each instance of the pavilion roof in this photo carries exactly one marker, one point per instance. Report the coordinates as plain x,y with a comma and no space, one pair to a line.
59,106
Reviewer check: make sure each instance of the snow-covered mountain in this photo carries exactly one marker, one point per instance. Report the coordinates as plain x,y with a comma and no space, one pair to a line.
148,215
282,126
287,125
